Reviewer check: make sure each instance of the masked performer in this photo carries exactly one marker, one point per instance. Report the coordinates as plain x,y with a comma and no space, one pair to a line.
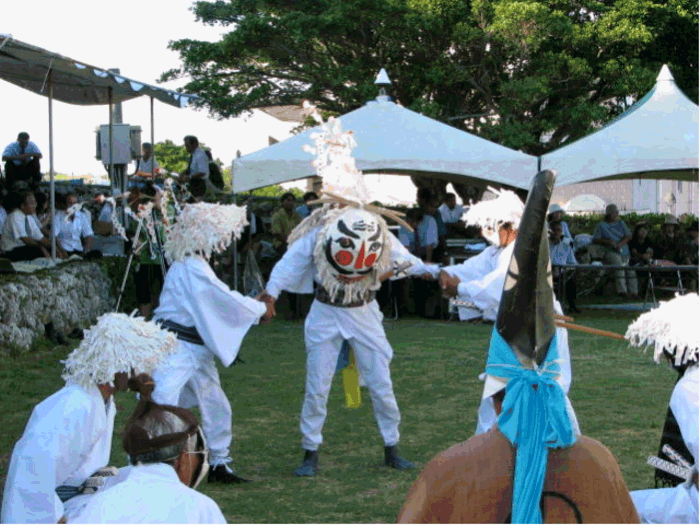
168,454
673,330
531,466
69,435
479,282
346,248
209,319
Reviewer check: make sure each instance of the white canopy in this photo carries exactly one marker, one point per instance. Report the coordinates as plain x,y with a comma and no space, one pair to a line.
72,81
656,139
392,139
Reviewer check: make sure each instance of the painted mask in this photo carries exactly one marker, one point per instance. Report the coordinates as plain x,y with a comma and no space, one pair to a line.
353,245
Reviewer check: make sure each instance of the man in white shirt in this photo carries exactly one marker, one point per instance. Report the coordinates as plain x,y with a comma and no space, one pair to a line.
198,166
68,437
22,240
168,458
72,228
22,161
561,252
147,167
451,211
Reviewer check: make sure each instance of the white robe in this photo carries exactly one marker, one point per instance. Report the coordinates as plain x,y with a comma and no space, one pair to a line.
67,438
678,504
483,277
150,494
326,328
193,296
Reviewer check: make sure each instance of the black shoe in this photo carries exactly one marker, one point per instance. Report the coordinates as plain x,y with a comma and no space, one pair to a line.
55,336
223,474
393,460
309,466
77,334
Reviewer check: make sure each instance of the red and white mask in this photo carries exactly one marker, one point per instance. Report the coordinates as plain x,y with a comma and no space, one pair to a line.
353,244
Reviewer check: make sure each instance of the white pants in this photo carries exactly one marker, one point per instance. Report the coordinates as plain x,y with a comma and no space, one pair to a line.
189,378
324,331
670,505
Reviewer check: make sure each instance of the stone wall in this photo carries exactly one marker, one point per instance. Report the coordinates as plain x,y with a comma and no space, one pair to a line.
70,295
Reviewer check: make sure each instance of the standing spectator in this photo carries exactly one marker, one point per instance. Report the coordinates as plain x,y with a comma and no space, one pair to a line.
561,252
284,221
21,239
556,214
22,161
451,214
198,166
641,253
667,246
613,235
305,210
73,230
408,238
426,293
147,167
441,249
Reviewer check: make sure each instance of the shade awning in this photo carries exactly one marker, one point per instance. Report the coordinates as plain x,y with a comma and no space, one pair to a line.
73,81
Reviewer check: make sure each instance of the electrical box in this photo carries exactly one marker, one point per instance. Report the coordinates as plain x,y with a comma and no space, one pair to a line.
126,143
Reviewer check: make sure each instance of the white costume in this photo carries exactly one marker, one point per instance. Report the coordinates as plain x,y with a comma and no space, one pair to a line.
671,330
150,493
69,435
195,301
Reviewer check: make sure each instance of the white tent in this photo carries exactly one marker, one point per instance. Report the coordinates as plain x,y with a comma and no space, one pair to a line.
392,139
656,139
586,202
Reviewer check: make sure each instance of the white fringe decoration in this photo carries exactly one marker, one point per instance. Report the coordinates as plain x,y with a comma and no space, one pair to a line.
506,207
117,343
672,327
204,228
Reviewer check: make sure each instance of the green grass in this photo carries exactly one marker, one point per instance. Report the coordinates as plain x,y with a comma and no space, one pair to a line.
619,394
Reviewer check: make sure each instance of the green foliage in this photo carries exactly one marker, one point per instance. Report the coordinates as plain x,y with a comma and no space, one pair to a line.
587,223
274,191
171,157
528,74
619,394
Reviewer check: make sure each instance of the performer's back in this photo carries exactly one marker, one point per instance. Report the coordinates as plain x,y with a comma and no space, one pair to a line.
471,482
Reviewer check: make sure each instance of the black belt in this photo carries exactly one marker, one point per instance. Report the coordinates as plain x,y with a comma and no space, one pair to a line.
184,333
66,492
324,297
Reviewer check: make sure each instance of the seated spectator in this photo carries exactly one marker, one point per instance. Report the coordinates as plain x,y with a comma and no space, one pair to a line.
641,252
168,459
561,252
689,254
441,250
305,210
72,228
451,214
667,245
427,294
21,239
42,217
556,214
22,161
3,218
613,235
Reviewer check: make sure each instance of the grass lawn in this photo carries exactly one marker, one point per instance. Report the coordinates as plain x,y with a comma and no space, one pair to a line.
619,394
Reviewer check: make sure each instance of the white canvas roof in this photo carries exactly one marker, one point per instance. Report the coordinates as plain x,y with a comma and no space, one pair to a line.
656,139
392,139
72,81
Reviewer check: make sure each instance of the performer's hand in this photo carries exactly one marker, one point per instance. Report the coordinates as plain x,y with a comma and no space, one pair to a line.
448,284
63,519
269,313
427,277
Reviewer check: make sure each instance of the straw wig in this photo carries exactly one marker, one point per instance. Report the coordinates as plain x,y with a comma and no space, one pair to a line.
490,215
117,343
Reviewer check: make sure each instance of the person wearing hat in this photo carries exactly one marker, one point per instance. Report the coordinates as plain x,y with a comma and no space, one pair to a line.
69,435
674,333
479,281
168,459
614,235
532,466
668,246
556,214
210,321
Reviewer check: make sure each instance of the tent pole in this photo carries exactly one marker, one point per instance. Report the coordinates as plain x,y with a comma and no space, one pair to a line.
111,138
235,243
52,188
153,144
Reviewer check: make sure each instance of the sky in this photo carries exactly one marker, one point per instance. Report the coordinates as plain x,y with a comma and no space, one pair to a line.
131,35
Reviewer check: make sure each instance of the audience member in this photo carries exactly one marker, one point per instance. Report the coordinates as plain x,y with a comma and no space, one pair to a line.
667,245
427,294
198,165
561,252
614,235
441,250
72,228
556,214
408,238
21,239
284,220
3,218
641,253
305,210
22,161
451,214
147,167
689,254
42,217
252,233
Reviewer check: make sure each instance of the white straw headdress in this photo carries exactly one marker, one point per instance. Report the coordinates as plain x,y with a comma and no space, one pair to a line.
506,207
204,228
117,343
672,327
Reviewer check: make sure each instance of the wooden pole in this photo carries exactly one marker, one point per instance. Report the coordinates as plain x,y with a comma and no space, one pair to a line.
589,330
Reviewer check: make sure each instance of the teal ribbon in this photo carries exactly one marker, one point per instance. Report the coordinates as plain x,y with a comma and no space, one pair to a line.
533,418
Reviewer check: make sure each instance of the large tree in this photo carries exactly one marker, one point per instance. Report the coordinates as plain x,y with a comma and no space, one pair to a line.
528,74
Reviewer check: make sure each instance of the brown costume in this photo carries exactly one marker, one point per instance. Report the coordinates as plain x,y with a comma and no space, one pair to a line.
471,482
